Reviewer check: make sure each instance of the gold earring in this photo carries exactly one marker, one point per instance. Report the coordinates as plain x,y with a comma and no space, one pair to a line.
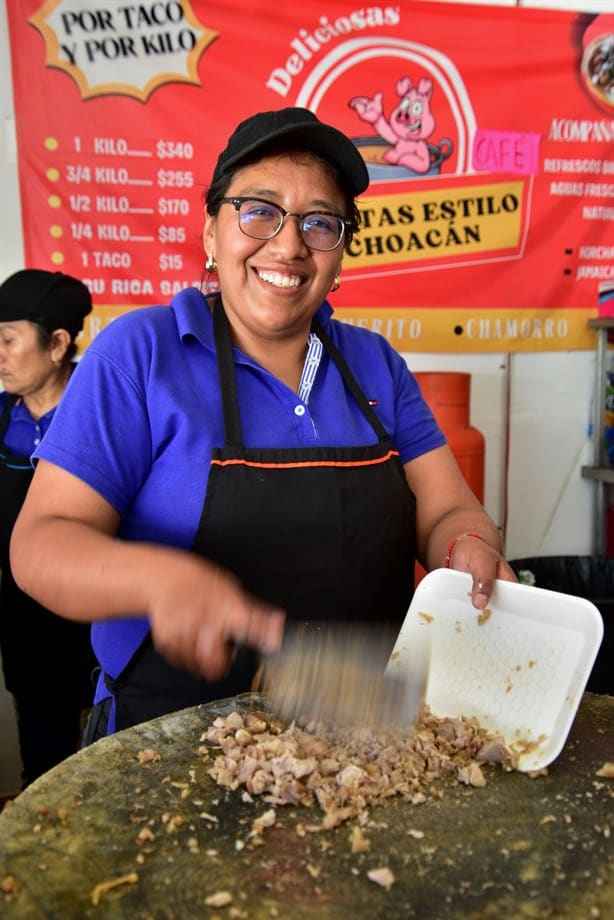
211,264
336,284
57,363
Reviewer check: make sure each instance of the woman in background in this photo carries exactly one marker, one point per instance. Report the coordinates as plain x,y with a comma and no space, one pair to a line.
47,661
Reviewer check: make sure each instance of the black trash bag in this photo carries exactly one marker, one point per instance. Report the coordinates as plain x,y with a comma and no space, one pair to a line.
591,577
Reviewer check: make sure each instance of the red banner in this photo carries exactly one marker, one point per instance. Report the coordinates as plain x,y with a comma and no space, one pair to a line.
488,133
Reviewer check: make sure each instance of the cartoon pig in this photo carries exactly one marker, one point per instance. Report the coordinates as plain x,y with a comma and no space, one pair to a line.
409,125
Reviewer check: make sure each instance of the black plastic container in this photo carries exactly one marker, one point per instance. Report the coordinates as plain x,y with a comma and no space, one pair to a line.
591,577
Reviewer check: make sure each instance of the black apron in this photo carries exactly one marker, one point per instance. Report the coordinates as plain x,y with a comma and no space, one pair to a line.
326,533
41,653
15,477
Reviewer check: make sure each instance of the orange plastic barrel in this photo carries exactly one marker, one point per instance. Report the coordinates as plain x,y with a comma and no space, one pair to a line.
448,396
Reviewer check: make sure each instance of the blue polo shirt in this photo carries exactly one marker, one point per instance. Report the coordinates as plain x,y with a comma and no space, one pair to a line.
142,413
24,433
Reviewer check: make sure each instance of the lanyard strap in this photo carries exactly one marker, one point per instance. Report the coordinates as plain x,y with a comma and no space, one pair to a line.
310,369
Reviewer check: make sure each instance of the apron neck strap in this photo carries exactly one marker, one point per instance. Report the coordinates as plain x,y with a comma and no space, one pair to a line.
233,436
350,381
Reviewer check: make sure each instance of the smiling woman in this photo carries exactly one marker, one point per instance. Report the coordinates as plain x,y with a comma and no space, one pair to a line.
232,461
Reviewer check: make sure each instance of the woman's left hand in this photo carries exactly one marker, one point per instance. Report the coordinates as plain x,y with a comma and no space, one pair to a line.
454,530
474,555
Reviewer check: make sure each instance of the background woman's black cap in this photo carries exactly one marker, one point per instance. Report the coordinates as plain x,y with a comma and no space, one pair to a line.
52,299
299,127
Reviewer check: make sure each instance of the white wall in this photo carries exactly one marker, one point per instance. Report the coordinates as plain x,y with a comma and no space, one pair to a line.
548,504
540,502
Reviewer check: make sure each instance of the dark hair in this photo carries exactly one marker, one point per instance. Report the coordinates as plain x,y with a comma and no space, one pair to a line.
212,197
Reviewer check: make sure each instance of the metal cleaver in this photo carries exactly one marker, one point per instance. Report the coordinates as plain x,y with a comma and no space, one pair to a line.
345,674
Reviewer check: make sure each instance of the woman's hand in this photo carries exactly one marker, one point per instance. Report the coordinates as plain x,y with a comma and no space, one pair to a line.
448,514
472,553
65,554
199,612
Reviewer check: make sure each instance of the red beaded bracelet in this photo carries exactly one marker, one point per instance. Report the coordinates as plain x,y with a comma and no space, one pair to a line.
452,545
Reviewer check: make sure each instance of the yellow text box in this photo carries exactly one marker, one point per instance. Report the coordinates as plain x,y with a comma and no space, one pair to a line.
437,224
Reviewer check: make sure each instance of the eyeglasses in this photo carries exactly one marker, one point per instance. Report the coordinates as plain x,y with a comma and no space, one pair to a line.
262,220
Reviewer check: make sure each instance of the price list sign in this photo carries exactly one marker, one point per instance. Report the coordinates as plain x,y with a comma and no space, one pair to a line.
129,222
120,213
488,134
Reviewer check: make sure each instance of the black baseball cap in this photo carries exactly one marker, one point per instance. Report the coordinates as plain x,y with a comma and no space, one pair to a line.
302,128
51,299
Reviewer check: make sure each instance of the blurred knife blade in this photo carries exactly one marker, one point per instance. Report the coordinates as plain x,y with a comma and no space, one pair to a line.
344,674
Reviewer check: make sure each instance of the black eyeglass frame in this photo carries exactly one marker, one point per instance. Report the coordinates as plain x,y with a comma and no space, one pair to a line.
238,201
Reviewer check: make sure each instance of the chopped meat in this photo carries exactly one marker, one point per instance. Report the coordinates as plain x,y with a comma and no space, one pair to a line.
148,756
351,777
265,820
492,751
472,775
145,835
9,884
247,768
219,899
383,877
358,842
342,771
234,721
607,770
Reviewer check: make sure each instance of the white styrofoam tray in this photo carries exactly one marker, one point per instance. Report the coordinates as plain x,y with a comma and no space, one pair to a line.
520,667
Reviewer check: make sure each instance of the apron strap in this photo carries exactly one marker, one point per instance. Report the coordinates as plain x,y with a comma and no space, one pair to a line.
350,381
233,435
6,414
